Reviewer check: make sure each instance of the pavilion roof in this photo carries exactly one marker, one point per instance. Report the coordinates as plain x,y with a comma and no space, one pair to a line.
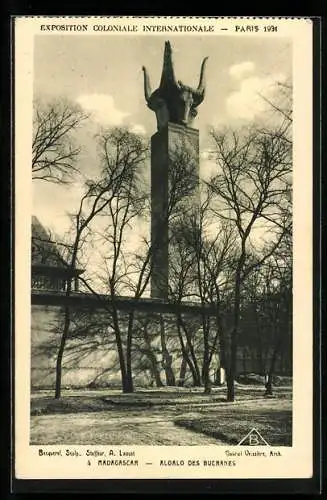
47,253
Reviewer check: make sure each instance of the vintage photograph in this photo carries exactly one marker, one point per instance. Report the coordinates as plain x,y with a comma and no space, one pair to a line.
163,247
161,271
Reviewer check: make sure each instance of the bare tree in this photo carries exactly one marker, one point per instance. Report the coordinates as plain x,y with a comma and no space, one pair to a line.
251,188
124,152
200,261
265,324
119,198
282,103
91,204
217,257
279,288
181,287
147,349
54,152
122,155
130,271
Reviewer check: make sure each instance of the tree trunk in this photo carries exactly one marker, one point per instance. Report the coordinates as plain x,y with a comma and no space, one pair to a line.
218,340
222,349
269,383
166,357
129,375
220,376
193,360
186,356
266,358
230,387
231,372
207,385
61,353
244,360
182,372
63,341
66,320
156,374
261,356
206,357
152,358
118,338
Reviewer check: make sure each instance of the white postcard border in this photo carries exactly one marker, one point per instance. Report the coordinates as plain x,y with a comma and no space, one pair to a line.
295,461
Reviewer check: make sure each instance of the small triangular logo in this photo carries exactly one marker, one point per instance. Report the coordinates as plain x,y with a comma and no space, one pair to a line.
253,438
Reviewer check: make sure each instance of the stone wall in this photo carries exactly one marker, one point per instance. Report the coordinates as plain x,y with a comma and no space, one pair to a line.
84,361
91,360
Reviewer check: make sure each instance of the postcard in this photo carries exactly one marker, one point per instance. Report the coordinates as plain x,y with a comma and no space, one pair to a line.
163,248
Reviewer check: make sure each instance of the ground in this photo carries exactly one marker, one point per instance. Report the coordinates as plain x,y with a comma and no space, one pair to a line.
169,416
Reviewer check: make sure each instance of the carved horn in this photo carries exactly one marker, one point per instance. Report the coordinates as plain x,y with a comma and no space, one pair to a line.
168,74
200,91
201,86
147,86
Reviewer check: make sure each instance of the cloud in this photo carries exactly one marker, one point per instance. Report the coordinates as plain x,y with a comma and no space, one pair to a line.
204,155
239,70
208,165
52,204
137,128
247,102
103,109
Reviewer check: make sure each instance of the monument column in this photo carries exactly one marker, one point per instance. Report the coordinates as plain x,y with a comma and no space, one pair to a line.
175,106
163,155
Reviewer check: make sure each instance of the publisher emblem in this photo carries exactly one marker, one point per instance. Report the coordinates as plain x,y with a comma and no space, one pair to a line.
253,438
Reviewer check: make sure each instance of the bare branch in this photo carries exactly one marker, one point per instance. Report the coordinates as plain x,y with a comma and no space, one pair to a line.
54,153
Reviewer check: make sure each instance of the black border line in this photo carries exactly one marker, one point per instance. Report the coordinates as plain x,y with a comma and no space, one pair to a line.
211,486
316,255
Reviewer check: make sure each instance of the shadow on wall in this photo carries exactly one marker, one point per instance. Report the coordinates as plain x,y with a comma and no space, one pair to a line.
91,360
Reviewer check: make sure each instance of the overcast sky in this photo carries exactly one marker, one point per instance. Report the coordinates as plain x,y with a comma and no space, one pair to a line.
103,74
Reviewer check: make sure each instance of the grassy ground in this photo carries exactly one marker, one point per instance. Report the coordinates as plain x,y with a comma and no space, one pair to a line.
273,420
79,401
169,416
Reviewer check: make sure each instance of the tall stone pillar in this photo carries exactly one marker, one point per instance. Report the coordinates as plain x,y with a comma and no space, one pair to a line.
172,147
